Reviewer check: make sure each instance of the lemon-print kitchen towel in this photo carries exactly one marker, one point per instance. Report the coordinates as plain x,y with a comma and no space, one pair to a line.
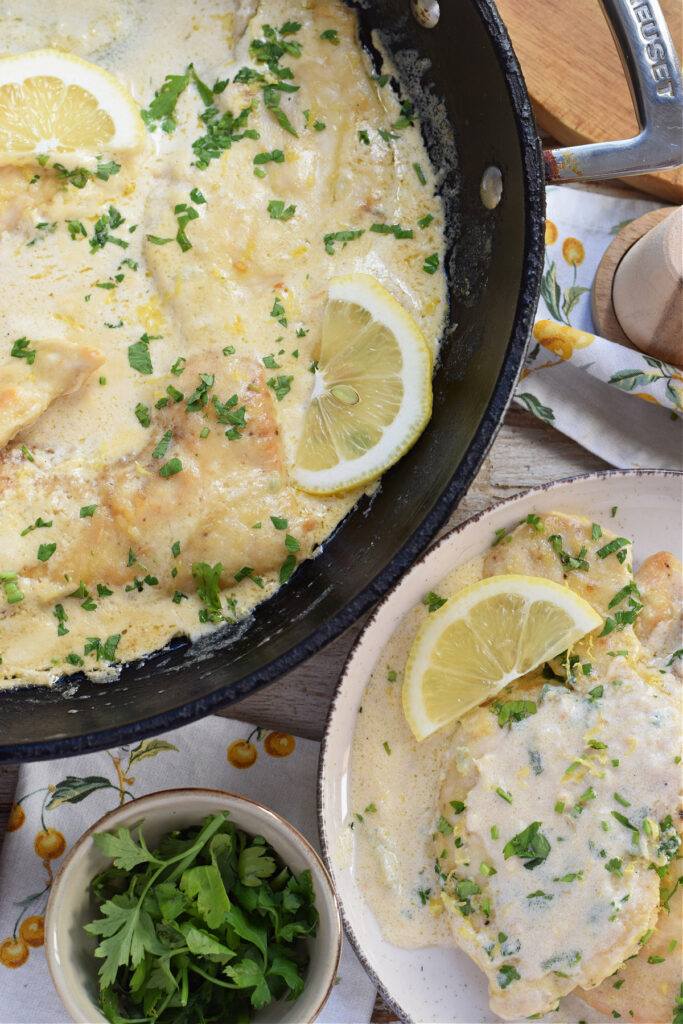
57,800
622,405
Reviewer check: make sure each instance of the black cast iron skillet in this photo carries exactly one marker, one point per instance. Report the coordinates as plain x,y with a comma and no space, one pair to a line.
479,129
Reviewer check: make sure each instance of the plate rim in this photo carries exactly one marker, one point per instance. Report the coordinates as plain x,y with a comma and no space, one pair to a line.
325,846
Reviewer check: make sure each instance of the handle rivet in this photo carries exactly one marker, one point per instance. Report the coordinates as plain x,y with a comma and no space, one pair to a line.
491,187
425,12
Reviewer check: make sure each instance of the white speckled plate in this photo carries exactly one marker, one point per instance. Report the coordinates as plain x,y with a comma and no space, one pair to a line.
443,985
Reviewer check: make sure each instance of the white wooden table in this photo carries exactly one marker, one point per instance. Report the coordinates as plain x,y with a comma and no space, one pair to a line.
525,453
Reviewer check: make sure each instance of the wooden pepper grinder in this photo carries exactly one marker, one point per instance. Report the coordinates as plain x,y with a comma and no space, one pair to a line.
637,297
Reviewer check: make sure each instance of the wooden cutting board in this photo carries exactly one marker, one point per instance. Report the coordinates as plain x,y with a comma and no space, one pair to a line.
575,78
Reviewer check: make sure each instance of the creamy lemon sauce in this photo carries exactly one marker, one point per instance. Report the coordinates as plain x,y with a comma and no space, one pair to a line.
139,304
595,764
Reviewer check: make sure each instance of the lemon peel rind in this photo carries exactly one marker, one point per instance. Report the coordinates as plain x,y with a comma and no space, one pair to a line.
416,405
111,95
536,589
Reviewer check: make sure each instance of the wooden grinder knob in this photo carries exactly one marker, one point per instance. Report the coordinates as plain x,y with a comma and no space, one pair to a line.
647,291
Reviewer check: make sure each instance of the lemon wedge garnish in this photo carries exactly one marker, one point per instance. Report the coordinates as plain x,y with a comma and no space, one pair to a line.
372,393
53,102
480,640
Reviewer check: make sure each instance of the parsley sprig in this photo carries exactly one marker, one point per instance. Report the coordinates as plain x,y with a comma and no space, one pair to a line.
210,913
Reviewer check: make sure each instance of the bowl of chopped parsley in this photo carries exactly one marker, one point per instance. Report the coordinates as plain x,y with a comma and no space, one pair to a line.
193,905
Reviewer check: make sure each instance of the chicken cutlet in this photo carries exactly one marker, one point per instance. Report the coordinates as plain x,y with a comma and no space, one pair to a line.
143,524
563,792
646,987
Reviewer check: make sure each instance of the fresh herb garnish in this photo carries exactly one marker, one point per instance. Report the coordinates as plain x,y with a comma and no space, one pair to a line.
569,562
431,263
46,551
108,222
171,467
280,386
20,350
513,711
211,912
392,229
615,547
339,236
530,845
163,105
433,601
39,524
278,210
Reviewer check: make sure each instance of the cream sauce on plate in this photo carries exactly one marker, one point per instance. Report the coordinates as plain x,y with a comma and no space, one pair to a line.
593,765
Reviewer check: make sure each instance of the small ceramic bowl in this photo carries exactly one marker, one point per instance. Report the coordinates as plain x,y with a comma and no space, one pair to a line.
70,950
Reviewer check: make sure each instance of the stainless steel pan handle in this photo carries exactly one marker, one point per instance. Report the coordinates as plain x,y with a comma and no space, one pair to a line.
649,58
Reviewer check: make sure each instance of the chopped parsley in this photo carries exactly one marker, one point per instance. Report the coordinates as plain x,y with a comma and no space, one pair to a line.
278,210
287,568
340,236
87,511
331,36
103,651
615,547
416,167
46,551
20,350
431,263
139,359
162,447
569,562
281,385
433,601
76,230
530,845
171,467
200,396
39,524
142,413
160,110
61,618
246,572
392,229
507,973
11,587
207,579
108,222
513,711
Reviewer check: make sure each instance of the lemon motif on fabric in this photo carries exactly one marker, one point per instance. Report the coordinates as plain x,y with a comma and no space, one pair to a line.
372,393
56,103
484,637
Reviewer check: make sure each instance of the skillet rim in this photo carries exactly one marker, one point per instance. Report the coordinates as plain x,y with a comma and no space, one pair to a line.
532,173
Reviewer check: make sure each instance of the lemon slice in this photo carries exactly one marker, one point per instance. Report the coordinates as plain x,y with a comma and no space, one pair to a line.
487,635
372,394
54,102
